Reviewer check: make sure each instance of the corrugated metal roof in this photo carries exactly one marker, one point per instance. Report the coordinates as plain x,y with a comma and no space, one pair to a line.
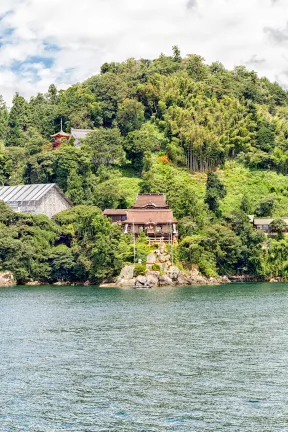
24,192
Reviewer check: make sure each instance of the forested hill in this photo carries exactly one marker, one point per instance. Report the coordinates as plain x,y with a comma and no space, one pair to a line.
160,126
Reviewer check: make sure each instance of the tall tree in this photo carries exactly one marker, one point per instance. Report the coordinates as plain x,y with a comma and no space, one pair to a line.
215,190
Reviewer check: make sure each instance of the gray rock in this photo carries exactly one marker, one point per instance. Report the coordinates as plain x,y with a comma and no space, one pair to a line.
173,273
183,279
141,280
164,258
127,272
152,278
33,283
165,281
125,282
151,258
225,279
7,279
198,280
213,281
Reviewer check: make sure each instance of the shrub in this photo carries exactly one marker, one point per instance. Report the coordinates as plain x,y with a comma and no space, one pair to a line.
164,160
156,267
139,270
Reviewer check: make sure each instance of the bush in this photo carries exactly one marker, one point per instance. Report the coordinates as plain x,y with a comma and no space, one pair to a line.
139,270
156,267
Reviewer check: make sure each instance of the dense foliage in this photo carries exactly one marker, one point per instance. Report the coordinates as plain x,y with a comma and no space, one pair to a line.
159,126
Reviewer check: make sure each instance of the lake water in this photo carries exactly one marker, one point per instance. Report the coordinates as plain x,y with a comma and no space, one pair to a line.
181,359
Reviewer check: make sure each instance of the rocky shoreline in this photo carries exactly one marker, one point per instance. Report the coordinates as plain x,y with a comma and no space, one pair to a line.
172,277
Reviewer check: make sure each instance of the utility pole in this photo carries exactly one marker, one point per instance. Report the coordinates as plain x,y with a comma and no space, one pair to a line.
171,240
134,242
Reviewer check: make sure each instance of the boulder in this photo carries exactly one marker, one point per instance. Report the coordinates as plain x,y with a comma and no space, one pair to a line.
164,258
33,283
213,281
173,273
62,283
122,283
198,280
194,271
152,278
151,258
127,272
7,279
165,281
183,279
225,279
141,280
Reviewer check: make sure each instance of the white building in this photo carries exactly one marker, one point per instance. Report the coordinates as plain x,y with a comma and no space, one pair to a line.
47,199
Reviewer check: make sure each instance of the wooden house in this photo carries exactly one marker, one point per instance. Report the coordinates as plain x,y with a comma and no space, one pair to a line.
47,199
150,214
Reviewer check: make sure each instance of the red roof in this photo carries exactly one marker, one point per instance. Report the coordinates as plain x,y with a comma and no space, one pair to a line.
61,134
151,200
139,217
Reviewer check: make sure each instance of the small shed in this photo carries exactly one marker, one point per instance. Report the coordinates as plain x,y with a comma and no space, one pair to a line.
47,199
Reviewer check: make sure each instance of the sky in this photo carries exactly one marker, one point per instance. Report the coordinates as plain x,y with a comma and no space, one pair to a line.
66,41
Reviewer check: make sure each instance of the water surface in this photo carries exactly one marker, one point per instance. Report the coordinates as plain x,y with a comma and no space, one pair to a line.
87,359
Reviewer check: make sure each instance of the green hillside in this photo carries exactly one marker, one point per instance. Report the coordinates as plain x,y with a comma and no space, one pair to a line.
163,125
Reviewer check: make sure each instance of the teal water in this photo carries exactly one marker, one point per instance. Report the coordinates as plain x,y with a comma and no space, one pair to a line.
181,359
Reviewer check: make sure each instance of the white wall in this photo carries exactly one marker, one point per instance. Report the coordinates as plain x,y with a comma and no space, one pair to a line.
52,203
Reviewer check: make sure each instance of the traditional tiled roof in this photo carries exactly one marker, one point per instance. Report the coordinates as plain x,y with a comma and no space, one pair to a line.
150,200
138,216
26,193
115,212
61,134
80,133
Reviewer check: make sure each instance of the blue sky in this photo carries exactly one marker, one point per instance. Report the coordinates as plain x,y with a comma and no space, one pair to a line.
64,41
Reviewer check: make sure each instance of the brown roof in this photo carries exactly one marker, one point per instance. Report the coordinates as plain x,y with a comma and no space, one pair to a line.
155,200
109,212
139,216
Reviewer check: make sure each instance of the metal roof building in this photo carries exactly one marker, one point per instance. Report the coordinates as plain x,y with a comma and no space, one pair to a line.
45,199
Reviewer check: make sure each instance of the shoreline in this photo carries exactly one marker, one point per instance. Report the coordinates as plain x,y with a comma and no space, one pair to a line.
115,286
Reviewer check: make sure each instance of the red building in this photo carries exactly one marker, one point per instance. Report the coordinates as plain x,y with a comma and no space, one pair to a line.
150,214
57,138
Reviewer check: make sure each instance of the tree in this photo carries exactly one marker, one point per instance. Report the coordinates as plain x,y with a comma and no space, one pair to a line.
245,205
130,115
215,190
195,67
278,225
146,139
265,207
176,54
105,147
18,122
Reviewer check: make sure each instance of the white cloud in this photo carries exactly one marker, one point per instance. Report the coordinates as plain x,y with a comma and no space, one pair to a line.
90,32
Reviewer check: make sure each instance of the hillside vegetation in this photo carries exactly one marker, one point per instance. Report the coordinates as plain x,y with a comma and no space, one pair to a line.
160,125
